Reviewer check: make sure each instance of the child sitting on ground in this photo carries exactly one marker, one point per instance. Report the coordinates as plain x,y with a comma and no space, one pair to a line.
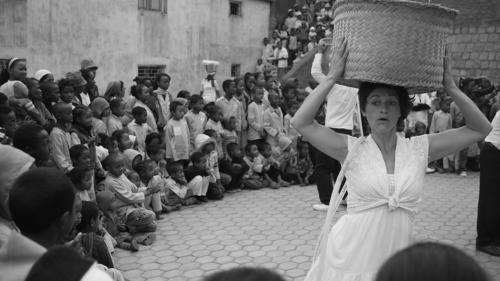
81,177
139,128
229,134
146,170
135,217
199,167
177,135
214,123
272,171
234,165
179,189
256,168
206,144
285,155
92,243
107,202
304,164
196,118
156,153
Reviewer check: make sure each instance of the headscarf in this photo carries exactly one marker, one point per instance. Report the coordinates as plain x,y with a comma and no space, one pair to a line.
114,89
98,106
14,163
130,155
76,78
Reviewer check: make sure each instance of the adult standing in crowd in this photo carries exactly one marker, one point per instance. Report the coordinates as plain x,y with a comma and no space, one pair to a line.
340,106
89,71
488,215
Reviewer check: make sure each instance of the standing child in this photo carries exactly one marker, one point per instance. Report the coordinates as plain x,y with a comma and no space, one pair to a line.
214,123
146,170
114,121
256,132
139,128
290,131
229,135
177,135
231,106
196,118
273,120
442,121
62,138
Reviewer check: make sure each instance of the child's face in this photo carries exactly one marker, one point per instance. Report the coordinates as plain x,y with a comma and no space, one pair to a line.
198,106
67,94
150,171
164,82
84,159
78,211
202,164
266,152
124,142
304,150
258,95
156,141
135,179
240,87
85,119
41,152
253,151
86,182
34,91
179,112
231,89
260,80
217,115
292,109
112,147
236,153
445,107
119,110
208,148
8,121
156,156
419,129
136,160
141,118
149,85
66,115
274,100
179,174
117,166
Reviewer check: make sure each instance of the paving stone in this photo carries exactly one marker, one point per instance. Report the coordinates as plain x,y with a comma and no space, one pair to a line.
278,229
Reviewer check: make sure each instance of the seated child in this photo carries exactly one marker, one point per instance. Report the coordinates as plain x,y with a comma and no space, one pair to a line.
156,153
229,134
284,154
130,212
139,127
92,243
179,189
272,171
107,202
207,145
149,181
256,168
199,167
234,166
81,177
304,164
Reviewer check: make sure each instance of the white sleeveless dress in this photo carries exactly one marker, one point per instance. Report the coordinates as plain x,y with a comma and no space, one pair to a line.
380,213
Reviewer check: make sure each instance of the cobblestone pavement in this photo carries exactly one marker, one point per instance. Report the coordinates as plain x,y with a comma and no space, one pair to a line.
278,229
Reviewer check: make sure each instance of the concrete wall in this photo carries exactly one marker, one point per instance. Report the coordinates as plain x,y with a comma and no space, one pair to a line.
194,30
13,25
62,33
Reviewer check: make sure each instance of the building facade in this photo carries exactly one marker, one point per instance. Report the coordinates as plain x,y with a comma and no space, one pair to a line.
126,38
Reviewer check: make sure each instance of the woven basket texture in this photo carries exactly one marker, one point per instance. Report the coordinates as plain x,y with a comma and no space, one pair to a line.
394,42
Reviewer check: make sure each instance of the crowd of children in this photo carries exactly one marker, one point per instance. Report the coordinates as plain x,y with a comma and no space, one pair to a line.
133,158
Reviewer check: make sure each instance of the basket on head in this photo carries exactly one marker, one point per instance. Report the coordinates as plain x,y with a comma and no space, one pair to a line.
210,66
394,42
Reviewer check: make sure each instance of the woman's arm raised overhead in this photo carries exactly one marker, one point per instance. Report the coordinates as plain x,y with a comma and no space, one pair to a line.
321,137
476,126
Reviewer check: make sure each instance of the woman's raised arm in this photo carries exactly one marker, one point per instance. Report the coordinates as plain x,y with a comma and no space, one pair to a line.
324,139
476,126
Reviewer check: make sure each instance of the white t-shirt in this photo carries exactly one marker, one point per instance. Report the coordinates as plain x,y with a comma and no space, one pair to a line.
340,102
494,135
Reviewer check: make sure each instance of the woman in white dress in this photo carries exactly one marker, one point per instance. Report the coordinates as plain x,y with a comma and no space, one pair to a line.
385,172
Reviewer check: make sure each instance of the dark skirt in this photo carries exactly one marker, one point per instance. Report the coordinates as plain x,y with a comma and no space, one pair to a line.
488,215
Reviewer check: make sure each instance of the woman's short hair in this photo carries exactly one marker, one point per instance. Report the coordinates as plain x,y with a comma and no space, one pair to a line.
405,101
431,261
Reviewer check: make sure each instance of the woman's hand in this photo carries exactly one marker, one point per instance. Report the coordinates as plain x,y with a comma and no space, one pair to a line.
337,66
448,81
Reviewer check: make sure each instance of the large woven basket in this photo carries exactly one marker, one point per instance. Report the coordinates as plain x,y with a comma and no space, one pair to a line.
394,42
